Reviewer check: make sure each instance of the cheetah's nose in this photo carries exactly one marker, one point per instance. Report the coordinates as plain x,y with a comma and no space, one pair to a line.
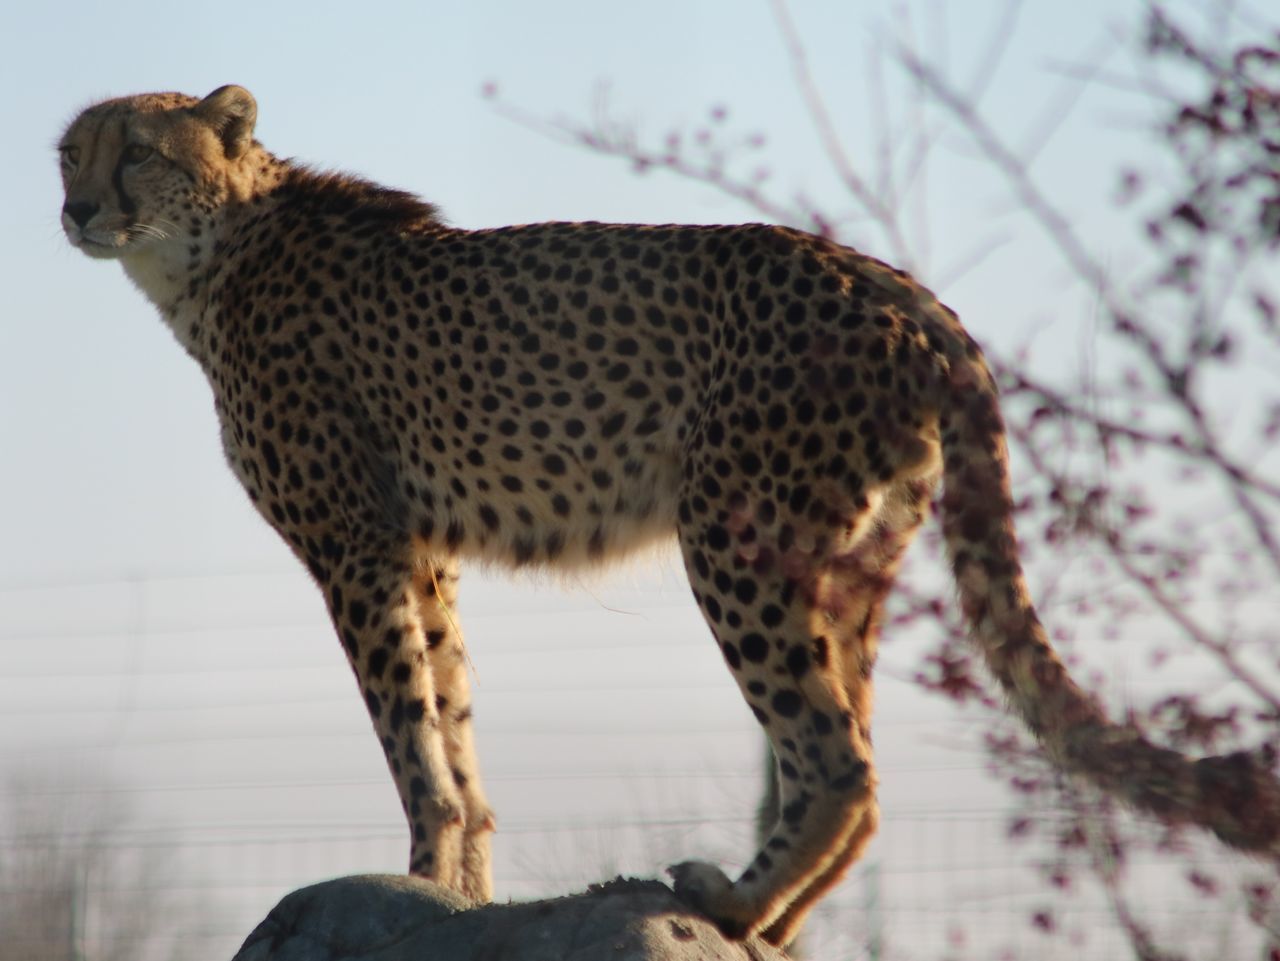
81,212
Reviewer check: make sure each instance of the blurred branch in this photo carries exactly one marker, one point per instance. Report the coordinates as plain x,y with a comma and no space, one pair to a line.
1127,318
881,211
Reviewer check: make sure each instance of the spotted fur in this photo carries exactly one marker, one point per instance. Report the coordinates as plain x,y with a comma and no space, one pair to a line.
397,394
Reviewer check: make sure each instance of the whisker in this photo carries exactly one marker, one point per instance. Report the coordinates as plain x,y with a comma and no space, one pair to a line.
148,230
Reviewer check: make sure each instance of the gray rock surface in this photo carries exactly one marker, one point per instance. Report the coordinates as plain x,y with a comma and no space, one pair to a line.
396,918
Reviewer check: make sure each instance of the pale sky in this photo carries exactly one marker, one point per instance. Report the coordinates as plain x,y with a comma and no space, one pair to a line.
153,627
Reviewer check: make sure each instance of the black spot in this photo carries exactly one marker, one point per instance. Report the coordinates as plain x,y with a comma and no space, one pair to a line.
755,648
525,550
798,661
613,425
787,703
271,457
554,545
771,616
359,614
794,812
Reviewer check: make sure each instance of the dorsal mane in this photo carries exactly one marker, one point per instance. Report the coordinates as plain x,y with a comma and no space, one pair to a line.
356,199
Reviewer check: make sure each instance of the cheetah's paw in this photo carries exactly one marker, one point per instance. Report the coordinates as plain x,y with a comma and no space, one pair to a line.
706,889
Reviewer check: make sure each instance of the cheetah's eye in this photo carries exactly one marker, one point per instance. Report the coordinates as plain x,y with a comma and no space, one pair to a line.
137,153
70,156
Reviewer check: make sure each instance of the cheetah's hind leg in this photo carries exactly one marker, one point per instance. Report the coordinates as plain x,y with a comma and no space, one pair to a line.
855,589
796,613
760,594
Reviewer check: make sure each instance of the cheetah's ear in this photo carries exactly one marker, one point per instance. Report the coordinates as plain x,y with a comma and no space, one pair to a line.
231,111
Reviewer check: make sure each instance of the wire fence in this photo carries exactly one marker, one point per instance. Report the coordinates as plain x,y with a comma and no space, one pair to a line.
922,893
182,752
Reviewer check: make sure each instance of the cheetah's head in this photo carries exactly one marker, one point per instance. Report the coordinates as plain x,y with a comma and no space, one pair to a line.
148,170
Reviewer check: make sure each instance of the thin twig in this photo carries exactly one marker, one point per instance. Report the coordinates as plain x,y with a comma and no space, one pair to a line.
883,215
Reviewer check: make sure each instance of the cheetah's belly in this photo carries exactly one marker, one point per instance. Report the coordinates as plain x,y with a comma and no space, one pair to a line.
569,511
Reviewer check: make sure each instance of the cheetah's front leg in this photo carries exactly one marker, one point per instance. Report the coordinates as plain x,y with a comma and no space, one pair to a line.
436,587
375,607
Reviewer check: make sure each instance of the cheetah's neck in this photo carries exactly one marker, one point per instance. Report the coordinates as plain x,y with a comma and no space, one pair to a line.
170,275
174,273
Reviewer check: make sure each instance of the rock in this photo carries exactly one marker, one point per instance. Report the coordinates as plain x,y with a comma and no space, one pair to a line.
397,918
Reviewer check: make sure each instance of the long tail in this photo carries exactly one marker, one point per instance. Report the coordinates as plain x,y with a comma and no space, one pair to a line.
1237,796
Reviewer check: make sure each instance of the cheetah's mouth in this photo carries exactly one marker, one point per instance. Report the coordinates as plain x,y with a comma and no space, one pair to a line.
99,243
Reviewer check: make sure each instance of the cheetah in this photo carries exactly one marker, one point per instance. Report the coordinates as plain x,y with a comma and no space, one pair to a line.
397,395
